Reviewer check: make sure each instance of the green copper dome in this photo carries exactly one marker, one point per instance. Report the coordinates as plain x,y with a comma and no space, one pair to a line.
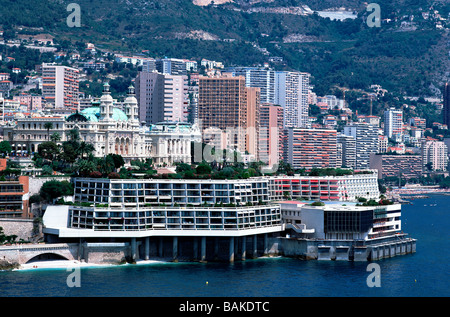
93,114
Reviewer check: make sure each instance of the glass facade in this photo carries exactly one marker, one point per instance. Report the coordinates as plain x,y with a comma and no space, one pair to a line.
347,221
127,205
204,218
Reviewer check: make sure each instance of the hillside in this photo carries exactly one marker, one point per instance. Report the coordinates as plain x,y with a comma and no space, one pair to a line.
411,61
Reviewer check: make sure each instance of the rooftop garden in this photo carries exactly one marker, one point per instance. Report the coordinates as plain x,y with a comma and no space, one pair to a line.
372,202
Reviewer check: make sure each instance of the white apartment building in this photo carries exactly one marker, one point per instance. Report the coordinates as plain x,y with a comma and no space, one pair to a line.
366,137
258,77
383,143
162,97
175,98
348,151
436,153
292,93
393,123
135,60
60,86
332,101
171,66
191,66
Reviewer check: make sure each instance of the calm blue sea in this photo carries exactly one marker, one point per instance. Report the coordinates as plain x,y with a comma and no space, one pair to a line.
422,274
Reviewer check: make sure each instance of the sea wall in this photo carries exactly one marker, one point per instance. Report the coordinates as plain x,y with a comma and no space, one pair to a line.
157,248
105,253
346,250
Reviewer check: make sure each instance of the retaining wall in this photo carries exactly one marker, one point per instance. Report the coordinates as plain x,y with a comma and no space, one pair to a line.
22,228
345,250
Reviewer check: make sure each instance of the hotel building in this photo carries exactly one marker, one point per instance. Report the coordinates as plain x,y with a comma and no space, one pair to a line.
60,86
140,210
349,232
25,134
333,188
172,217
171,142
339,222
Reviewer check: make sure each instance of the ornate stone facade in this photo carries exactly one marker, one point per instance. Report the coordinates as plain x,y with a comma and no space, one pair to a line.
111,130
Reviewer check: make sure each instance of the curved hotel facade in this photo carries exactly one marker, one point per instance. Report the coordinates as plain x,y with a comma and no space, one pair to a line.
138,210
243,214
334,188
186,206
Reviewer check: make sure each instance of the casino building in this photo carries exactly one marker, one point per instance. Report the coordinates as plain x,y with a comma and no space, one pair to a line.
110,130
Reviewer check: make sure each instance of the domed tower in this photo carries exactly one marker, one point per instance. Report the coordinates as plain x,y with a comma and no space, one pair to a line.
106,104
131,106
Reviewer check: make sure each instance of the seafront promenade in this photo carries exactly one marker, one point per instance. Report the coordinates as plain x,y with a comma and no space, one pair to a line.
414,192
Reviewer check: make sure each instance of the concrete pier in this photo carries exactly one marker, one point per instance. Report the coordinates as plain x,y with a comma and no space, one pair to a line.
161,247
133,249
216,249
346,249
195,251
342,253
203,249
209,249
360,254
175,249
231,250
243,249
147,248
266,249
324,252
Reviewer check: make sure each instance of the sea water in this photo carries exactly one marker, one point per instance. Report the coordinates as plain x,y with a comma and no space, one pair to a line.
420,274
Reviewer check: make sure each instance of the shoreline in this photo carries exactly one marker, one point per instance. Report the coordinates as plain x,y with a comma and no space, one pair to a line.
419,191
71,264
66,264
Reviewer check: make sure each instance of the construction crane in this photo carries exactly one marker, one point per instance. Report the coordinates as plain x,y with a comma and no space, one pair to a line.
343,89
371,97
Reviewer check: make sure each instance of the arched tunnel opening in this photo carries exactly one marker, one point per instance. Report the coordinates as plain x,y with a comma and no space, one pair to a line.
46,257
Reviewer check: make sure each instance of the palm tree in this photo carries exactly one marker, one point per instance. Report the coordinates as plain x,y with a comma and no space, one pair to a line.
85,148
55,137
74,135
48,126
